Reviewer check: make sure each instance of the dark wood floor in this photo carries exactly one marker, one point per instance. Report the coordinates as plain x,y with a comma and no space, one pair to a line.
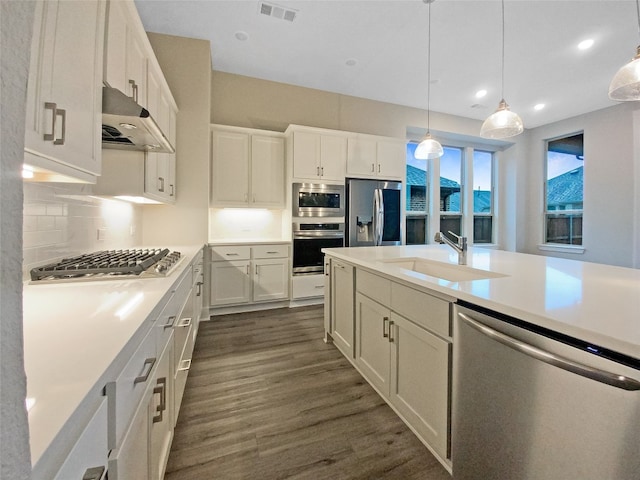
266,398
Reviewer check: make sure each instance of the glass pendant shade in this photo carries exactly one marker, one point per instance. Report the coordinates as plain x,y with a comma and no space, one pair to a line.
503,123
625,86
428,148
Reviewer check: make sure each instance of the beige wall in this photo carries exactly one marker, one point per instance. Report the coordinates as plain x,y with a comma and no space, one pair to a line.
612,167
186,64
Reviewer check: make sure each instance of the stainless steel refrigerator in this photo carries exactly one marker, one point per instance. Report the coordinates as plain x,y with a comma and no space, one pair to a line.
374,213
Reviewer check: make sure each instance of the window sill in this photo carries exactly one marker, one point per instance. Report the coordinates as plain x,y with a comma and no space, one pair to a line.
493,246
575,249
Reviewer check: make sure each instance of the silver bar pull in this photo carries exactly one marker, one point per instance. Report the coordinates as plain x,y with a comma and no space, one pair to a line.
378,168
184,365
373,168
63,114
50,137
602,376
169,323
199,291
185,322
256,269
391,339
161,187
322,171
161,389
93,473
248,272
231,254
134,90
172,190
385,321
149,362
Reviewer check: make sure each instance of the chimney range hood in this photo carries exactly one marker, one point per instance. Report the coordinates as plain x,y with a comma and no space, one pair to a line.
128,126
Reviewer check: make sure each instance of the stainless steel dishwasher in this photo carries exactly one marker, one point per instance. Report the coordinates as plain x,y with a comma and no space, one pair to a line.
531,404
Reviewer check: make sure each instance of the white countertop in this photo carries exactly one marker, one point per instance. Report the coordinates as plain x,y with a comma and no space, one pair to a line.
596,303
73,333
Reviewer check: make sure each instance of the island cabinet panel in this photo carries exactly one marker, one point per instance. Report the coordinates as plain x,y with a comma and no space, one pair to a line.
403,348
373,347
420,381
342,328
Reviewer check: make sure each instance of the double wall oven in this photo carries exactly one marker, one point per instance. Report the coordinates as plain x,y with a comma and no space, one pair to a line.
318,213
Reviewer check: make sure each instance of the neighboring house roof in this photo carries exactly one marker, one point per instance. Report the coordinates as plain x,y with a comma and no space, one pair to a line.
481,201
417,176
566,188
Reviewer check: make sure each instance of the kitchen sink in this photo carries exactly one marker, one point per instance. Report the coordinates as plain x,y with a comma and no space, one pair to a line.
445,271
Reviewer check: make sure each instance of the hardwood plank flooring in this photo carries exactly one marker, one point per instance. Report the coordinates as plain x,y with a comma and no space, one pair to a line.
266,398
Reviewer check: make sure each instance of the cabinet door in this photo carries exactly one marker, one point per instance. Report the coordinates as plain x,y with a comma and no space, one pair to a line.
306,155
115,49
161,414
333,157
420,381
89,453
64,94
267,171
328,315
230,282
136,68
373,347
271,279
342,327
391,157
229,168
131,459
361,157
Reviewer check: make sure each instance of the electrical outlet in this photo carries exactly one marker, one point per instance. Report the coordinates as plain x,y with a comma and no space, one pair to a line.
102,233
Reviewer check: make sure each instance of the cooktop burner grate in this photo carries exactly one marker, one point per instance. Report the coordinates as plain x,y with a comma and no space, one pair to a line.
108,263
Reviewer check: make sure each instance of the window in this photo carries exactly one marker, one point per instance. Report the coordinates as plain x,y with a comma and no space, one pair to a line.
564,190
482,197
451,191
417,198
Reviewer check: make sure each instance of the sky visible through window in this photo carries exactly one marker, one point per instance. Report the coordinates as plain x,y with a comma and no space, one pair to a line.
450,167
559,163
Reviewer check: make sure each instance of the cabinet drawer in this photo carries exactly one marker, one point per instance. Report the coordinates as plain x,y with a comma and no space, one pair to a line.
307,286
232,252
172,310
130,386
421,308
270,251
374,286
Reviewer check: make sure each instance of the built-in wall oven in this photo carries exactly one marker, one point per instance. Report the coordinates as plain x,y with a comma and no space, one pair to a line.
309,238
317,200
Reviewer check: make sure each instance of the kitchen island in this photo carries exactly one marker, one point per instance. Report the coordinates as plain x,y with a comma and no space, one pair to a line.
78,338
392,311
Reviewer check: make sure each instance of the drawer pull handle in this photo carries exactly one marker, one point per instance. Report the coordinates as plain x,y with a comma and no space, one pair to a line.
272,253
384,327
169,323
150,362
232,254
199,292
93,473
185,322
53,107
184,365
319,286
162,390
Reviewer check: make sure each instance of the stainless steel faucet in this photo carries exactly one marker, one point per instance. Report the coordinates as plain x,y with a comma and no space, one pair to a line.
460,246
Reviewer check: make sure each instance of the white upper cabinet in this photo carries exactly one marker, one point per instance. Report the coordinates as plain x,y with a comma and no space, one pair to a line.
247,168
371,156
64,99
318,155
125,57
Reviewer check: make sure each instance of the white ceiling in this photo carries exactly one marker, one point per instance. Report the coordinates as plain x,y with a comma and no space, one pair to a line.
388,41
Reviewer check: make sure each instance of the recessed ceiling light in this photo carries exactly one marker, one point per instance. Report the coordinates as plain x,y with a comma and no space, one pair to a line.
242,36
586,44
481,93
539,106
351,62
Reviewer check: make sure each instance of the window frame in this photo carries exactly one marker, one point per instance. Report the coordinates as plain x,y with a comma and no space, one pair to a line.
571,213
492,197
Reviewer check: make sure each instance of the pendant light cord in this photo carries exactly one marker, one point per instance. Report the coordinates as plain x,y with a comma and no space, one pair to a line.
429,69
502,85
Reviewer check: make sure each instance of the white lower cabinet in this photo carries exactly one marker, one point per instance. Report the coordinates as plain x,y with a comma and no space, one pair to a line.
88,458
161,414
248,274
402,347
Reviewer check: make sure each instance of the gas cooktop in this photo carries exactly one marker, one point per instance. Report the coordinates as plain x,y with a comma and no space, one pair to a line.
107,264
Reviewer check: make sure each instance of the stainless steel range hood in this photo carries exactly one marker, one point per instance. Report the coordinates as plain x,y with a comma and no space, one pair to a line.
128,126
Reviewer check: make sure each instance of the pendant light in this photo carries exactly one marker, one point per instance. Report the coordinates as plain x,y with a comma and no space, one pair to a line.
428,148
503,123
625,86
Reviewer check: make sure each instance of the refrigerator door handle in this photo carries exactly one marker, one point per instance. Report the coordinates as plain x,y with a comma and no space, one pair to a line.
378,215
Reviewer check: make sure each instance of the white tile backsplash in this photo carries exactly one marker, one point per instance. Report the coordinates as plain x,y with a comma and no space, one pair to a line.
62,220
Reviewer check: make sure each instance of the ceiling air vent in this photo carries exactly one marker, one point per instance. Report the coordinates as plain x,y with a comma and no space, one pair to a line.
276,11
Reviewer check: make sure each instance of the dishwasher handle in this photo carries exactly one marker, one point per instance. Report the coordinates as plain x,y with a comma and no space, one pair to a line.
602,376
